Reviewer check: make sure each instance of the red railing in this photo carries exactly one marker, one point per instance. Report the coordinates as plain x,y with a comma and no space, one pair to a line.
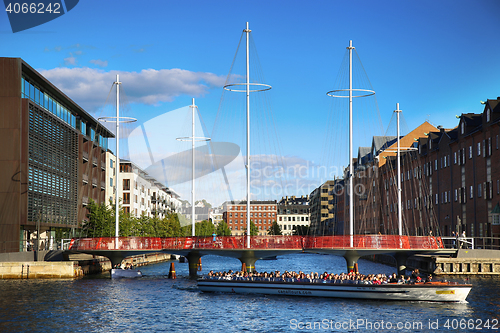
373,242
257,242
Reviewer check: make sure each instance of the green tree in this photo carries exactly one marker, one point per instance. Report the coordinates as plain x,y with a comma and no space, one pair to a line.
301,230
223,229
204,228
128,225
172,225
254,231
100,221
275,229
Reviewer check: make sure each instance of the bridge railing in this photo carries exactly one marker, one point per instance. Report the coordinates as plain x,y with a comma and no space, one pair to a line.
131,243
373,242
256,242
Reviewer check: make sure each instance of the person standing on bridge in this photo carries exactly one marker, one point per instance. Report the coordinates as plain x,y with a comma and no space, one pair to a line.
214,235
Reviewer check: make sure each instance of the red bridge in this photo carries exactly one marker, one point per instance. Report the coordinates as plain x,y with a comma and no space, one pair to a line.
118,248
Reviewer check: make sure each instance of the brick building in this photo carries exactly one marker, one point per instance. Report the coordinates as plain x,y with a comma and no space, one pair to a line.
262,213
450,180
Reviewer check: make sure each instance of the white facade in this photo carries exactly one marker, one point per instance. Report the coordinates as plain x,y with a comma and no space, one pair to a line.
293,212
216,215
139,193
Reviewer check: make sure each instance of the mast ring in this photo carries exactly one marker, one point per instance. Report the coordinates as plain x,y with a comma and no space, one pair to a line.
196,139
366,92
266,87
120,119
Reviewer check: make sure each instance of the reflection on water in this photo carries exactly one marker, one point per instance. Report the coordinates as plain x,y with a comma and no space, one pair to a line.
156,304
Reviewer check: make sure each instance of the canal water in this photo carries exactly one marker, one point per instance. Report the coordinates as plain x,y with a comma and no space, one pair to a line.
157,304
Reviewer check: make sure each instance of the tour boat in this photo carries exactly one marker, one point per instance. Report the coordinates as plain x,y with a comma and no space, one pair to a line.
125,273
428,291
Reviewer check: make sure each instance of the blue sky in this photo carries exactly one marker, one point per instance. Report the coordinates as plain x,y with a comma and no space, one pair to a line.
437,59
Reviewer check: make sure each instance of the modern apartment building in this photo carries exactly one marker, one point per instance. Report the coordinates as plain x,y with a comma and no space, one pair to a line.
293,212
52,160
142,194
262,214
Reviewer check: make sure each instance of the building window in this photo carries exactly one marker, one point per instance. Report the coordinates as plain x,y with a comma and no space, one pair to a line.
455,157
435,164
479,149
479,191
126,198
111,182
488,114
462,127
126,184
472,192
456,194
470,152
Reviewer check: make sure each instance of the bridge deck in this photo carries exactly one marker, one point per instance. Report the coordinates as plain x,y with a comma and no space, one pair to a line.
305,243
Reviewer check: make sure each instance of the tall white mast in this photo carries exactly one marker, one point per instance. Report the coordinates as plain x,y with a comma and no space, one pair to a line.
351,166
400,224
117,165
193,107
247,31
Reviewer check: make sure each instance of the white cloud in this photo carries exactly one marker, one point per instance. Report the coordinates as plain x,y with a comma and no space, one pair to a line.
99,62
70,60
89,87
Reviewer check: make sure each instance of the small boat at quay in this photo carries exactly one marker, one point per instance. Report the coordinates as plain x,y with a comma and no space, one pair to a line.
117,273
426,291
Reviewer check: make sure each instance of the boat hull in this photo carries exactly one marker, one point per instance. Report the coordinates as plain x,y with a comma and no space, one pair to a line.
431,292
117,273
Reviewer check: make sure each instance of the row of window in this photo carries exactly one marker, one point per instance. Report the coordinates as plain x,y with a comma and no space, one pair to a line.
243,228
293,211
251,207
45,100
251,214
256,221
292,218
483,190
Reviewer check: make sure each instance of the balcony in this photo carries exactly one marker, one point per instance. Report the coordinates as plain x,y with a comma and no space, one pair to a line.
85,156
85,178
94,182
103,185
85,201
153,199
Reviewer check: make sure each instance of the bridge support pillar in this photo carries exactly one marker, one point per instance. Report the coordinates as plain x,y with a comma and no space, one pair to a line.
116,259
249,260
401,262
351,258
193,259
